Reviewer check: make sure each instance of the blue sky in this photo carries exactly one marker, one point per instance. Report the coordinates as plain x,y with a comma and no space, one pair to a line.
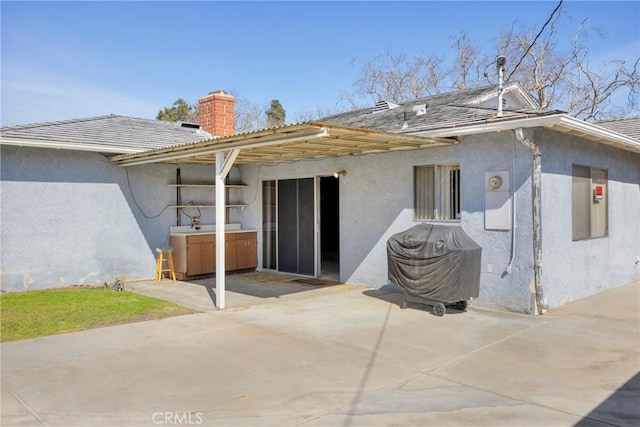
64,60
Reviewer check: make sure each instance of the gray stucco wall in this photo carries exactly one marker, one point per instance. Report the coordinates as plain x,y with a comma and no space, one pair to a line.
69,217
376,201
575,269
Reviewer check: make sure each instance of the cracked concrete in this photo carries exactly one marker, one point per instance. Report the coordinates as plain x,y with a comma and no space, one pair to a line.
287,354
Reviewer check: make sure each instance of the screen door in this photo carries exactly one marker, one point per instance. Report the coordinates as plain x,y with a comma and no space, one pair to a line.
296,209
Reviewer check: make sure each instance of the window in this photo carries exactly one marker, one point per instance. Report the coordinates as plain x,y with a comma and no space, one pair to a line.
436,192
589,202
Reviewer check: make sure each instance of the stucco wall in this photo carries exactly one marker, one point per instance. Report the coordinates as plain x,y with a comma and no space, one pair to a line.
376,201
575,269
68,217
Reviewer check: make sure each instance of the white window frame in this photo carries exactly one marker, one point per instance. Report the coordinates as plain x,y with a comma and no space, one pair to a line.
437,198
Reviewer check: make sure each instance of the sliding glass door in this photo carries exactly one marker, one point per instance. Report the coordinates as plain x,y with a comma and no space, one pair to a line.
293,237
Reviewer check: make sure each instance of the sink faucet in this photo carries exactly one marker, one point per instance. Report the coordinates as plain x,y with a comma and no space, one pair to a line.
195,222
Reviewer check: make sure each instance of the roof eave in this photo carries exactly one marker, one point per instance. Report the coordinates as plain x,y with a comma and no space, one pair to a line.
560,122
65,145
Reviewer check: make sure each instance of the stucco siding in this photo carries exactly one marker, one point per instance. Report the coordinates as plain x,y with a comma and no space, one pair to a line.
72,218
69,218
376,201
576,269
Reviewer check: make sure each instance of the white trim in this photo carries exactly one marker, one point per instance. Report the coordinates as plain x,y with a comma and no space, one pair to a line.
66,145
560,121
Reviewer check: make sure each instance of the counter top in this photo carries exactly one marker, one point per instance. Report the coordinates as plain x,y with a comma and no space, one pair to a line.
204,232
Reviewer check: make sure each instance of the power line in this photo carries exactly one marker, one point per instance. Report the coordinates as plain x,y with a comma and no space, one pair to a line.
534,40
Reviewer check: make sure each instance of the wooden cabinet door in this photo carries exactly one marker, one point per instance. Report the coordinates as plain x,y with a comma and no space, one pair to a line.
194,259
208,258
200,254
251,255
179,245
230,262
247,251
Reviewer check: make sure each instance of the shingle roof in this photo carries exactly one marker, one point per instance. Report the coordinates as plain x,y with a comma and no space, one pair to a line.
442,110
629,126
108,134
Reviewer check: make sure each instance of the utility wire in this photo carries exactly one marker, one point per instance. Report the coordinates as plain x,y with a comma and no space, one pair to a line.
133,197
534,40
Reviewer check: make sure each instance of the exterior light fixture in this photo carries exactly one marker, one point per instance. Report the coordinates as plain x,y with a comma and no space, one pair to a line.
339,173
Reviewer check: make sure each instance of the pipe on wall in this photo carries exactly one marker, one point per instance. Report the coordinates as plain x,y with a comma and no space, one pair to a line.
513,210
537,218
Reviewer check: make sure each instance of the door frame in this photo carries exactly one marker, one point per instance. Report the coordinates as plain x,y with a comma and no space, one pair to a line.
317,256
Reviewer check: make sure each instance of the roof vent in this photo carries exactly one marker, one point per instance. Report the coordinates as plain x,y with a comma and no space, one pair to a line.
189,125
384,106
420,109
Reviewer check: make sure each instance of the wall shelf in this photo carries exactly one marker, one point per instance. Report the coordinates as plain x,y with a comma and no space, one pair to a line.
206,206
200,196
208,185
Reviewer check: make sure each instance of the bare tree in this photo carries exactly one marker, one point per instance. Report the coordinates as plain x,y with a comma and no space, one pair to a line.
310,115
566,80
395,77
558,79
249,116
468,68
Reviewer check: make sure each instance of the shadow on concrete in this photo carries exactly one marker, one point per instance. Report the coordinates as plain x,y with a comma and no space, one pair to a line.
391,294
253,285
622,408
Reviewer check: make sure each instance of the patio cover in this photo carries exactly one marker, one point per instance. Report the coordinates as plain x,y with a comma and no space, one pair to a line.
302,141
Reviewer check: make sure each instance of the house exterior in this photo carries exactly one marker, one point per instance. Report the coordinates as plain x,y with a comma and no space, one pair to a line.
553,201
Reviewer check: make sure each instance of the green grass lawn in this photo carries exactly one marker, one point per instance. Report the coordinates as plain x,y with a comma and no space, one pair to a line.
56,311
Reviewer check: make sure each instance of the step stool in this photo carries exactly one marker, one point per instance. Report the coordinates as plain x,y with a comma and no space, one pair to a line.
165,255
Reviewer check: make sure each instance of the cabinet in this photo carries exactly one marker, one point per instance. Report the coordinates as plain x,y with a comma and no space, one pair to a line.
201,255
246,250
195,255
242,251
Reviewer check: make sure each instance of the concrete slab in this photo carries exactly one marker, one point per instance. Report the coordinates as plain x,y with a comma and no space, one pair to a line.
290,354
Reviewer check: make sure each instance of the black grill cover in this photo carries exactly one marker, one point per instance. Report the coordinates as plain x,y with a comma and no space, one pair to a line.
437,262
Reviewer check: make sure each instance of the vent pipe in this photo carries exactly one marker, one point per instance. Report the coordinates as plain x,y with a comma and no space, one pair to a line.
500,61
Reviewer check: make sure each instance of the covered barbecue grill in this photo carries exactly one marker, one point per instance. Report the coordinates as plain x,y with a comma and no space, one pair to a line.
436,265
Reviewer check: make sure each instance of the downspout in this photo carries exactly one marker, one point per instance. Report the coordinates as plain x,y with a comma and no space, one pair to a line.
537,218
514,224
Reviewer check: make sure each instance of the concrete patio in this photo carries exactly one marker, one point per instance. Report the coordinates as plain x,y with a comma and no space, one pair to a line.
285,354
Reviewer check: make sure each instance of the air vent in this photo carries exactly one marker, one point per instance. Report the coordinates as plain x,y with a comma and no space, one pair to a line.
420,109
190,125
384,106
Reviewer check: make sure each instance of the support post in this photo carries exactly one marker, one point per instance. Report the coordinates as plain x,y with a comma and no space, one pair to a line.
220,232
223,166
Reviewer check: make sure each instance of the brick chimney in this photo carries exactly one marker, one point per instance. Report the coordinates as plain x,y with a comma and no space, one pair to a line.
216,113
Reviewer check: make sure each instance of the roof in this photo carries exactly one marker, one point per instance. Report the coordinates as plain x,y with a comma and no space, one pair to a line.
442,111
371,130
432,121
629,126
427,122
111,134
